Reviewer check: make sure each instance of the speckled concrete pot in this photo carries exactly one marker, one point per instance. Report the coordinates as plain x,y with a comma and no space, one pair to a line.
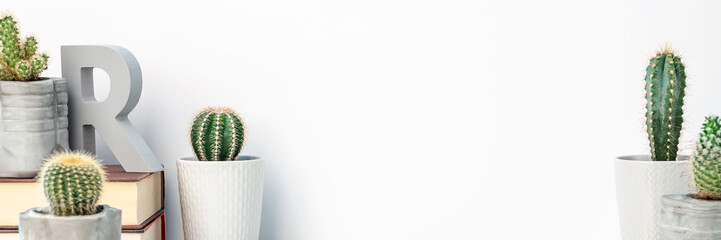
686,218
27,126
640,183
221,200
36,224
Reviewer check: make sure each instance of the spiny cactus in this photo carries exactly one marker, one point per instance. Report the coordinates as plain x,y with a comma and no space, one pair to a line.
707,160
72,182
217,135
19,60
665,89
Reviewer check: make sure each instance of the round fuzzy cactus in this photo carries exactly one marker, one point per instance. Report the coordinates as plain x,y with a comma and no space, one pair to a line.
706,160
665,90
19,60
72,182
217,135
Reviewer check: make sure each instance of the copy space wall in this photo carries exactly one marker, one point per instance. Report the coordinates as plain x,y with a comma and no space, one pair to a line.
401,119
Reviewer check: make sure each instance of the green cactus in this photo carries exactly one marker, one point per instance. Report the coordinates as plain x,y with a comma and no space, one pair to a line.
72,182
706,160
217,135
665,89
19,60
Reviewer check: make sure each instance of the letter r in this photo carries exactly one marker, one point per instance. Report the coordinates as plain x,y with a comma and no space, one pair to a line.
109,117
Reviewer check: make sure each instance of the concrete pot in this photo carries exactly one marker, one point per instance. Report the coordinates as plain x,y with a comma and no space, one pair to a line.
640,183
27,126
36,224
221,200
686,218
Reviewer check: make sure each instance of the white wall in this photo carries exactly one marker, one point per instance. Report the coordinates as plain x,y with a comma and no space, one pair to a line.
406,119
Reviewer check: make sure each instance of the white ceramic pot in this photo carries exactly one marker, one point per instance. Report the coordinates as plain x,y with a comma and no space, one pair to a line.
686,218
36,224
27,124
640,183
221,200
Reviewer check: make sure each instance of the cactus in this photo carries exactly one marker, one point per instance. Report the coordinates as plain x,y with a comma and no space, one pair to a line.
217,135
706,160
665,88
72,182
19,60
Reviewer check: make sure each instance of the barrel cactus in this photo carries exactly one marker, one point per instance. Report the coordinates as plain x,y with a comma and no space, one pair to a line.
72,182
19,59
665,89
217,134
706,160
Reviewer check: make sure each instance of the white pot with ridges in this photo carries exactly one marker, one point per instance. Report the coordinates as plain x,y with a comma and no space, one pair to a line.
221,194
640,183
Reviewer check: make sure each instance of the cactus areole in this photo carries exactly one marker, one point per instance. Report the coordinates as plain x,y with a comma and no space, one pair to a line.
665,89
72,182
19,59
217,135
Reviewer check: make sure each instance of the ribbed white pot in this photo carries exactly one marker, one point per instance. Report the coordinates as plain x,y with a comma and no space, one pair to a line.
221,200
640,183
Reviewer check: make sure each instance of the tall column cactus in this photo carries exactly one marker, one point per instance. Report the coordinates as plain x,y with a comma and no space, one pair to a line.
217,135
706,160
72,182
19,60
665,89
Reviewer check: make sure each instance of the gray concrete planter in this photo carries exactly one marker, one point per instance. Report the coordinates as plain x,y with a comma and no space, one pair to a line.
36,224
27,125
686,218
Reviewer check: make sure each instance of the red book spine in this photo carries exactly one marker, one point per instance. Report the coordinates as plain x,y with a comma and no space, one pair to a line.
162,225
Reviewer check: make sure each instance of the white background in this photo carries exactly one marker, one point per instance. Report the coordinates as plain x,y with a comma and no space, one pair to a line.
406,119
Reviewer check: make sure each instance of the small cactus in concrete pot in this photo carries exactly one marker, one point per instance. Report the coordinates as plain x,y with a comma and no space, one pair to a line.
217,134
19,59
696,216
706,160
665,90
72,182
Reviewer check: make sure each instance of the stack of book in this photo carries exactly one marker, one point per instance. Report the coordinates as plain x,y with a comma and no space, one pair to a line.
140,196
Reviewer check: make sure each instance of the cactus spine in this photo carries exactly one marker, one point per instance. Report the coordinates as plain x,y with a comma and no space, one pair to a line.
217,135
665,89
706,160
19,60
72,182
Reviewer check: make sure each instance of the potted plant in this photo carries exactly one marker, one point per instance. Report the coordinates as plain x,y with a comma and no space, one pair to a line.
72,183
642,179
33,110
698,216
220,193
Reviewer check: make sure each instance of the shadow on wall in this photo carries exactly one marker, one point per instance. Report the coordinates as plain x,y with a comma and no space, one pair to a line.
269,216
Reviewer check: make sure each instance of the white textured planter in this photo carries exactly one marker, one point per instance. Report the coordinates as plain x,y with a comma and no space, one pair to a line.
640,183
686,218
27,129
221,200
35,224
